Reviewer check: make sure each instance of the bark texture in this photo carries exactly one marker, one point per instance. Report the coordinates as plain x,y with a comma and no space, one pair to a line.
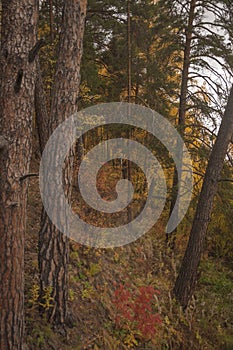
186,280
53,245
170,238
17,81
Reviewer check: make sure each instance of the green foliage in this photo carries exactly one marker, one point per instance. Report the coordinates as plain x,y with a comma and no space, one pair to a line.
34,295
40,334
215,293
105,60
47,298
75,257
214,277
94,269
220,236
71,294
87,291
37,301
158,34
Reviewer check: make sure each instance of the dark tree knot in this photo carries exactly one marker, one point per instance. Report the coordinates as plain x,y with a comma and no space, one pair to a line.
18,81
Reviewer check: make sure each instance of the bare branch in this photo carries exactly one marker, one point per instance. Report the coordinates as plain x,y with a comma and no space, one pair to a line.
27,176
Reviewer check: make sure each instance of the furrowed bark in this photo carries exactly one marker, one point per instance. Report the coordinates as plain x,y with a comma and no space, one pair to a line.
17,82
53,245
187,278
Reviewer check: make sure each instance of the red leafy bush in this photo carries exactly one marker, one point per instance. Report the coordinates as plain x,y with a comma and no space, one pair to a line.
135,310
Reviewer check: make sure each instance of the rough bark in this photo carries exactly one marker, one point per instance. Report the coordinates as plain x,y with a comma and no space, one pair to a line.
17,81
170,238
42,116
186,280
53,245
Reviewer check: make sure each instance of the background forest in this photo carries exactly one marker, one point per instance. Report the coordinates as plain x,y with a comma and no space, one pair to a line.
175,57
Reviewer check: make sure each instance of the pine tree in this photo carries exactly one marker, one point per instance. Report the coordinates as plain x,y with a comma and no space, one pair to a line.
17,72
64,98
202,87
187,277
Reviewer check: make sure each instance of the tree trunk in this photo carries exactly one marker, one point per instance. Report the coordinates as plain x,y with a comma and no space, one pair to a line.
53,245
42,116
186,280
51,20
129,88
17,81
170,237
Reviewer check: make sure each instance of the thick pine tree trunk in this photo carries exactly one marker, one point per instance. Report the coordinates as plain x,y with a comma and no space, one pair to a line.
53,245
186,280
17,80
170,238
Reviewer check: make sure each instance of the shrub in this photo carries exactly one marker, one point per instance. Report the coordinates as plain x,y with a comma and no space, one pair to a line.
135,310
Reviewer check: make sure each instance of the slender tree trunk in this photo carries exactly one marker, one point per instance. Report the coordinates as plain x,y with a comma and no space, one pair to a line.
53,245
42,116
129,85
186,280
51,20
170,238
186,64
129,213
17,81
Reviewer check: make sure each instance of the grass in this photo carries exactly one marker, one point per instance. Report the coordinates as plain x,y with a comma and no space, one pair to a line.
94,273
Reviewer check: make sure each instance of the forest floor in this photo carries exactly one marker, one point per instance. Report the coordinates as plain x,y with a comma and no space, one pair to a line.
98,276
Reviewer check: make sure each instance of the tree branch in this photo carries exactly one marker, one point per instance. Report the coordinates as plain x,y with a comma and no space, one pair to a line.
24,177
34,51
